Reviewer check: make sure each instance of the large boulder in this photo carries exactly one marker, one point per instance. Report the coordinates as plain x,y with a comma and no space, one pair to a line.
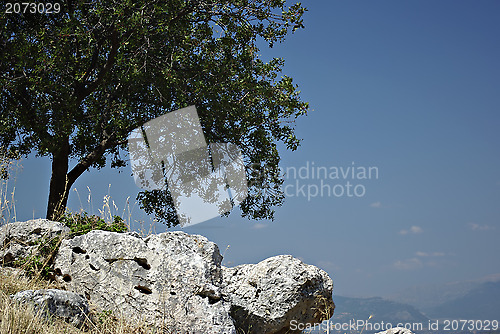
176,280
265,297
22,239
67,305
170,279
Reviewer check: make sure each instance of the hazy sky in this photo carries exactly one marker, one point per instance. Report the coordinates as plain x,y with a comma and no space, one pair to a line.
410,88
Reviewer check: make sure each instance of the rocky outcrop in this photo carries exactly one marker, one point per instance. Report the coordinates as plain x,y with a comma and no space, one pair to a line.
396,330
21,239
265,297
173,280
176,280
59,303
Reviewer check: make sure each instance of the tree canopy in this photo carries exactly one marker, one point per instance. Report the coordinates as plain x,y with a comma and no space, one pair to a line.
74,84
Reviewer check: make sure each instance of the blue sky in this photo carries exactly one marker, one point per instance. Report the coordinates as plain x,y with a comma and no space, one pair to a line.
411,88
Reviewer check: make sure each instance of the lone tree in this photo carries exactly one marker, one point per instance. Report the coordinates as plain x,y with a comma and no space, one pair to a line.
74,84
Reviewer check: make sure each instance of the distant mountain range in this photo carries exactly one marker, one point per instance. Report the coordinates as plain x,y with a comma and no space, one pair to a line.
482,302
380,309
471,300
478,299
351,314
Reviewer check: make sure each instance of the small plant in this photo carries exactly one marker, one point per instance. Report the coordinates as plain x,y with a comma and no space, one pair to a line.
38,264
109,209
105,317
82,223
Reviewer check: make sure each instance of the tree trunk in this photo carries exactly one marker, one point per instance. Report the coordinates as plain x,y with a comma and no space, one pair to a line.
62,180
59,182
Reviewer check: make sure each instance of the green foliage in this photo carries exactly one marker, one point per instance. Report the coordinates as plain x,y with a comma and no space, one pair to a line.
75,84
39,264
105,316
82,223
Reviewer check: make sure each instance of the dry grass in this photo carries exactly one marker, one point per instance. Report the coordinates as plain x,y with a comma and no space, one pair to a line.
9,169
22,319
109,209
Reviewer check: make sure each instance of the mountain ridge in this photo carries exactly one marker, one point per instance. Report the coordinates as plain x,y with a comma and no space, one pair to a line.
428,297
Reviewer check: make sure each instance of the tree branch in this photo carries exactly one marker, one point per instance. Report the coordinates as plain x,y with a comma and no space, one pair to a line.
115,44
89,159
93,63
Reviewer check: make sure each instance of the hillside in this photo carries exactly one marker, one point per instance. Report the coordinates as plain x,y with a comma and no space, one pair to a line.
477,299
482,302
426,297
381,310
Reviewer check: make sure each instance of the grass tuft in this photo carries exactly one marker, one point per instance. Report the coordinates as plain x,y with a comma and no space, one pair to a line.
81,223
9,169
